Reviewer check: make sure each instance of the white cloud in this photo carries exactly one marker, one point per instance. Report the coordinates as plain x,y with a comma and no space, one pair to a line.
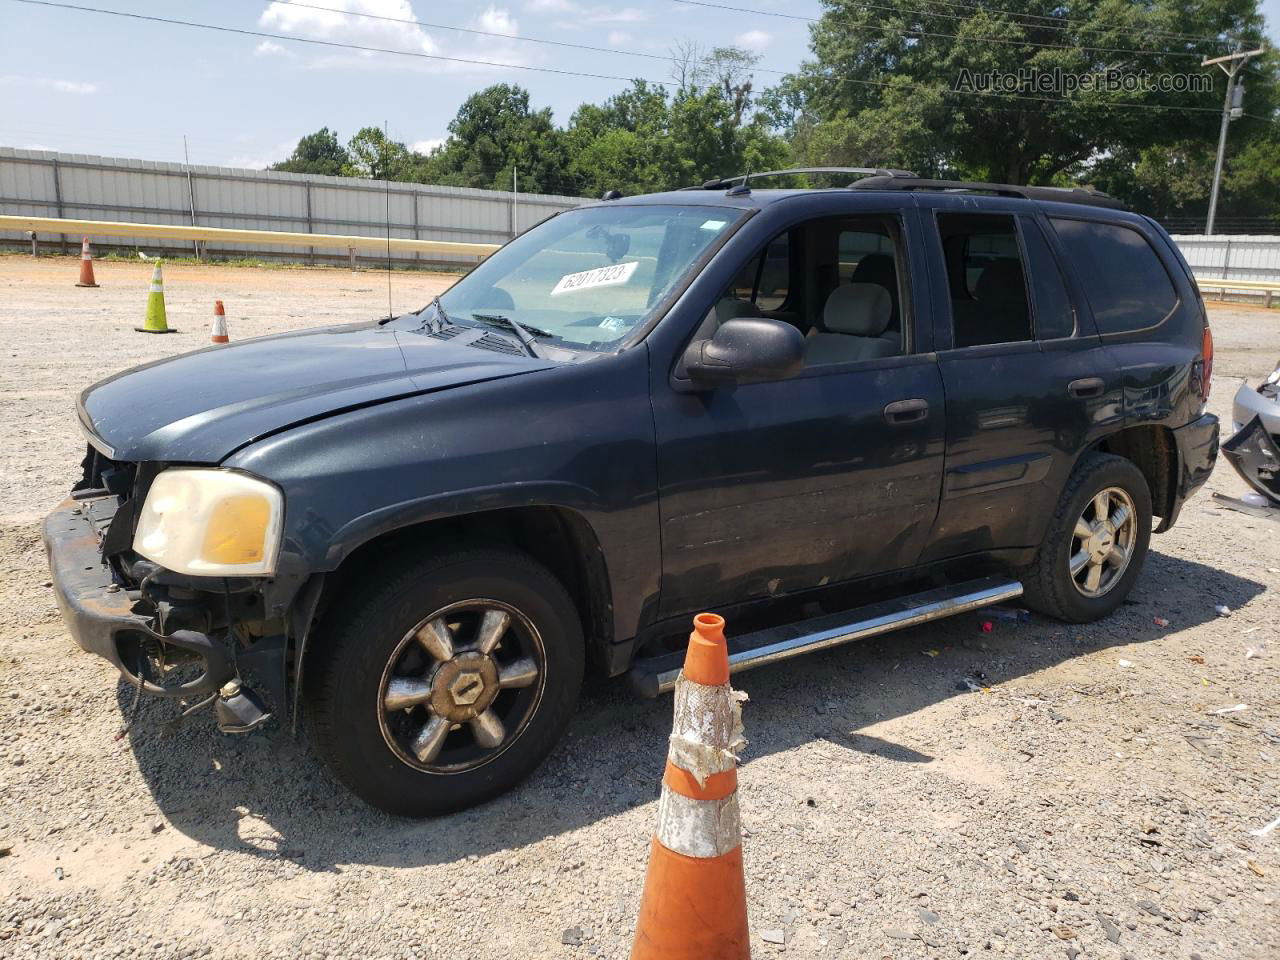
269,48
618,38
426,146
753,40
334,24
550,6
49,83
494,20
611,15
401,31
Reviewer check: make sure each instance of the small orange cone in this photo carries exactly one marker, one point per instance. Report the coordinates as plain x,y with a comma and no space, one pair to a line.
86,265
694,905
219,333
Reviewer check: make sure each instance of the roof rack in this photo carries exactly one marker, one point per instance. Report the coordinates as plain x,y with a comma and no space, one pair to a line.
744,179
1084,195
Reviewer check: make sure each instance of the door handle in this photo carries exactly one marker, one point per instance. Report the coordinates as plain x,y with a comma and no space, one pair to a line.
1086,388
907,411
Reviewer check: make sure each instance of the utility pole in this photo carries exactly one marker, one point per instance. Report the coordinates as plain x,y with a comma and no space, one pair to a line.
1232,107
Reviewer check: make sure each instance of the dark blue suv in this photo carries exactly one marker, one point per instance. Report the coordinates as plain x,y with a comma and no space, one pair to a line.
824,413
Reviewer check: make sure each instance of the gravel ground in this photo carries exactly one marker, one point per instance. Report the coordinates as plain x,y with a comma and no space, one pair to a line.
1093,801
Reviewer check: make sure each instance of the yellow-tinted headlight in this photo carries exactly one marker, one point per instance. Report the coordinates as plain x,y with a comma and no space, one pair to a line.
208,522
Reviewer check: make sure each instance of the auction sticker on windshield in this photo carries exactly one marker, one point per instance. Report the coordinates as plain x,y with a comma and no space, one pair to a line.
599,277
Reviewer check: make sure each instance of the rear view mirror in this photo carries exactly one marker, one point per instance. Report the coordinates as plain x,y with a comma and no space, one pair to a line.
746,350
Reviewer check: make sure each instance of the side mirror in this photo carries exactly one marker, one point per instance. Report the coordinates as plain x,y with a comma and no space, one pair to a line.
746,350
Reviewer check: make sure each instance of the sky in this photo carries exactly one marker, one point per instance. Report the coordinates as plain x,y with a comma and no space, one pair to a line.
87,83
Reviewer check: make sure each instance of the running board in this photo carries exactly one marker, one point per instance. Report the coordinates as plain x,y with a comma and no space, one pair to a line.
657,675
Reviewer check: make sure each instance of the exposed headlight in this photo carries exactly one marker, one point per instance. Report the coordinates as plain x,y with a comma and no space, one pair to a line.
1273,376
213,523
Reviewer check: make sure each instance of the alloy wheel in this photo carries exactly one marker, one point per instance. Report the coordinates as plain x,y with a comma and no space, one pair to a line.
461,685
1102,543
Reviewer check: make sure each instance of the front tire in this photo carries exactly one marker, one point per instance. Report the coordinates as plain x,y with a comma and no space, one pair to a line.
1096,542
440,683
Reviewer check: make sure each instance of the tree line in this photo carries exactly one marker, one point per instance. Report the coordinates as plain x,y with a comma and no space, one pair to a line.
890,83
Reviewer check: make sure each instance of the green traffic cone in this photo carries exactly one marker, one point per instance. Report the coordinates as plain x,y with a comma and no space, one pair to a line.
156,321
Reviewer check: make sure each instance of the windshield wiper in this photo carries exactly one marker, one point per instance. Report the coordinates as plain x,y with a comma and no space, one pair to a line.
524,333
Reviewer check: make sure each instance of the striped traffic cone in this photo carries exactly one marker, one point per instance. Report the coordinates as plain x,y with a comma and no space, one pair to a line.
219,331
694,905
86,265
156,321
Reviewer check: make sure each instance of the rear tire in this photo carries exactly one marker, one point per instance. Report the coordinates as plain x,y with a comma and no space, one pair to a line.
439,683
1096,542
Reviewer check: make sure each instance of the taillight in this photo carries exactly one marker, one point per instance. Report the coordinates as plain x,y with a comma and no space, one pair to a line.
1206,375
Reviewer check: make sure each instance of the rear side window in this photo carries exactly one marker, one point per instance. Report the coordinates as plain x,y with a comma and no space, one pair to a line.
985,278
1126,283
1055,318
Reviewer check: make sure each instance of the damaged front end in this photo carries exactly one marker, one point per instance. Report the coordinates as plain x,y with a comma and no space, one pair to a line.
196,639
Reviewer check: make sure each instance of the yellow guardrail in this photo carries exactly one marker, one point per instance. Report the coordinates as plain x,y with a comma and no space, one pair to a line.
108,228
1269,288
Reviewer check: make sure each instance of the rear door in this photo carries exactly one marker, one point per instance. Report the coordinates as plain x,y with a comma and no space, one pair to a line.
1028,382
772,488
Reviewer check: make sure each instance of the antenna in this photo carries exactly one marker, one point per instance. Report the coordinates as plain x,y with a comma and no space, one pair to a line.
386,178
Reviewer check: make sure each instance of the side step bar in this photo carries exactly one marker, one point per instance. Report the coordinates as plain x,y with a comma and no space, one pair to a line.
657,675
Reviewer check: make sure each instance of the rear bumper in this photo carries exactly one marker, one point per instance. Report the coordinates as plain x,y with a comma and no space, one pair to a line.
1197,444
106,618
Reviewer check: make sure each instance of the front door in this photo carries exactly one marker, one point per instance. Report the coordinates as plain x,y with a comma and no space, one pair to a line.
772,488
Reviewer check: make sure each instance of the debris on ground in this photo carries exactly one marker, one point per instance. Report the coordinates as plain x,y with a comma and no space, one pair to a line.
1222,610
1161,622
1263,831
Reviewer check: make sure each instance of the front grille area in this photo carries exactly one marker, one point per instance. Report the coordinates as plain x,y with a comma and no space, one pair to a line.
101,475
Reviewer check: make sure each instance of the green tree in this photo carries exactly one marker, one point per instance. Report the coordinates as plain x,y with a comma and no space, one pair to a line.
374,156
318,152
493,131
899,82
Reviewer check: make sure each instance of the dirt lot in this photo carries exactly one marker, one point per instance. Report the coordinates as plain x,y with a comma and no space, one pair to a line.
1094,801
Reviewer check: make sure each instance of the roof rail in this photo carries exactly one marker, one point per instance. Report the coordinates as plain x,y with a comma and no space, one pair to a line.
1083,195
719,183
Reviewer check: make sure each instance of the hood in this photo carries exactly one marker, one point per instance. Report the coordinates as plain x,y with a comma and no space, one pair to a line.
199,407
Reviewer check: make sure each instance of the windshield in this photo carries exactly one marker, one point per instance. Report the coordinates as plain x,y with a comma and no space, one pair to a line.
587,278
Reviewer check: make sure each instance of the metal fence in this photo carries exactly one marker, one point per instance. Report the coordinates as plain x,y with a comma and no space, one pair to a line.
1233,257
75,186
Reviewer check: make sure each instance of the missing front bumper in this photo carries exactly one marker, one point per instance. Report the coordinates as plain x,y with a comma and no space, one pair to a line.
106,618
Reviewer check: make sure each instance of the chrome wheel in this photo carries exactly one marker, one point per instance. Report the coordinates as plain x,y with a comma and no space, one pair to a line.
1102,544
461,686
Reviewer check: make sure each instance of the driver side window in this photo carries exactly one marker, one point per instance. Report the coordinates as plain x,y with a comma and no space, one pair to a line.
837,279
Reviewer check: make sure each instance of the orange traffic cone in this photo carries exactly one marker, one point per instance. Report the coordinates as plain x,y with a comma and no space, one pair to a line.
219,332
694,905
86,265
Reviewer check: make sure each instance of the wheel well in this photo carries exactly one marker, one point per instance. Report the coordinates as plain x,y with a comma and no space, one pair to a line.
1153,451
559,539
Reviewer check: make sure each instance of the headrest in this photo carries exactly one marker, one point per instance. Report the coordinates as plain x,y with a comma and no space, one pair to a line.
860,309
876,268
1000,280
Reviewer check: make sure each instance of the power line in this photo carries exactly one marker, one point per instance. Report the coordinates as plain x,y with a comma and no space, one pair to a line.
328,43
597,76
892,31
1065,23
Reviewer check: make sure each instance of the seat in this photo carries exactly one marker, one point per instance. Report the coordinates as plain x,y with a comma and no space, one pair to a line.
1000,314
879,268
855,317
